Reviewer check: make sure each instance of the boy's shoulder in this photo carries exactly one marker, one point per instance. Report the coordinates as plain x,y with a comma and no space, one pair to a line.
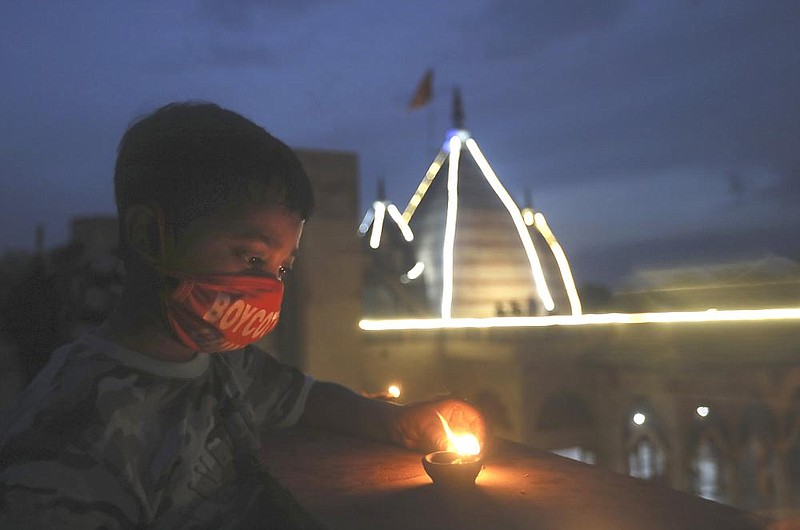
92,384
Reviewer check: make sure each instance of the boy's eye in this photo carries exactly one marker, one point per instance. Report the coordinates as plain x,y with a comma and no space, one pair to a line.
254,261
282,271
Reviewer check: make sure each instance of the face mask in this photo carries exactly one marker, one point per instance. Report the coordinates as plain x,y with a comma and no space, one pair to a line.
223,312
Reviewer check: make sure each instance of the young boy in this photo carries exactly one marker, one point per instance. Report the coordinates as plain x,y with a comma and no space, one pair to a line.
154,420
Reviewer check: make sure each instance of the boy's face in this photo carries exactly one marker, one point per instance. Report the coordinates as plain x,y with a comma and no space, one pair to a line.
241,237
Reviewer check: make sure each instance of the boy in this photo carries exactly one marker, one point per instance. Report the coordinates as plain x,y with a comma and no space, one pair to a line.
154,420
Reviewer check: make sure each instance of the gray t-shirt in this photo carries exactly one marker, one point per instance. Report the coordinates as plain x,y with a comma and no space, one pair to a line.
108,437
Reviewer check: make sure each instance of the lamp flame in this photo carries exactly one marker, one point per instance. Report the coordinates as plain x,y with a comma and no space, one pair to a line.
393,391
462,443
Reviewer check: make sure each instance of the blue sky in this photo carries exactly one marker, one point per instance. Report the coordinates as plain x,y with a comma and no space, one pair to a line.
650,133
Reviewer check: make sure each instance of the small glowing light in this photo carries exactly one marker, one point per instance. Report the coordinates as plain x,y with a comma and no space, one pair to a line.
527,216
393,391
364,226
450,227
415,271
377,226
561,259
461,134
639,418
462,443
702,411
394,213
513,210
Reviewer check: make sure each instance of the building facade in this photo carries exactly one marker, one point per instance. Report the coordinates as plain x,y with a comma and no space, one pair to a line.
707,407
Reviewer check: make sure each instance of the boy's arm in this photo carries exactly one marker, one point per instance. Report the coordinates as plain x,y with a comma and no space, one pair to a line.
415,426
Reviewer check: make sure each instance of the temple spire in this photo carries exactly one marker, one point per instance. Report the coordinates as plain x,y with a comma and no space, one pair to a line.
527,198
458,109
381,189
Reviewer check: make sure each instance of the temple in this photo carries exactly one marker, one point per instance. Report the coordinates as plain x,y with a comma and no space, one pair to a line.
469,249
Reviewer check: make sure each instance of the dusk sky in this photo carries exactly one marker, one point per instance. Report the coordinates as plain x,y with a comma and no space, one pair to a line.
649,133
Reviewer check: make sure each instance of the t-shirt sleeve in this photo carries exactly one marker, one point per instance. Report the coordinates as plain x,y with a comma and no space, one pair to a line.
276,392
48,479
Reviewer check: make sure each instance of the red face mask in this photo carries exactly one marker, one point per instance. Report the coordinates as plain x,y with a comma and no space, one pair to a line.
223,312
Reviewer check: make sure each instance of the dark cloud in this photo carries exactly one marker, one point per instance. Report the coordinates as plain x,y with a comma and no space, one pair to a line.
573,100
613,264
221,56
517,28
736,186
786,192
709,85
237,15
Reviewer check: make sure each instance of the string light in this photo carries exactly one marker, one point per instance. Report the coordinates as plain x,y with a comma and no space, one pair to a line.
368,217
540,223
590,319
415,271
394,213
433,170
377,225
450,227
516,216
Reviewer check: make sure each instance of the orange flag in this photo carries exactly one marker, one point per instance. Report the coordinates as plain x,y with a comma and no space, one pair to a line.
424,92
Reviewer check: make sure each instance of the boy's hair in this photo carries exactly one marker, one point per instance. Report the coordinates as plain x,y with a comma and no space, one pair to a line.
190,158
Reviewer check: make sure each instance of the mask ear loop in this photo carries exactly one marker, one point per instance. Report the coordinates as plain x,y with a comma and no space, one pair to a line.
166,292
157,262
162,232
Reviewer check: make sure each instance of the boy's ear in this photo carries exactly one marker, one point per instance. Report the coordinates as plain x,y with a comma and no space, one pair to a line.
142,232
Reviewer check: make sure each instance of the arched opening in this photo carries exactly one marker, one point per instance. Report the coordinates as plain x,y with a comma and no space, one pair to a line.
647,459
792,457
646,449
710,458
568,421
708,468
756,462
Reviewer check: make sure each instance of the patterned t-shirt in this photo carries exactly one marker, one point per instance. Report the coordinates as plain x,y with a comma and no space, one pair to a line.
109,438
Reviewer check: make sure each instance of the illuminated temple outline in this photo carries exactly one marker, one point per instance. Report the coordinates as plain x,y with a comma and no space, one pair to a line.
524,220
458,139
375,218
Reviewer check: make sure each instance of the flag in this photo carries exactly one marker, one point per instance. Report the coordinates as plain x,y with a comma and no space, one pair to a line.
424,92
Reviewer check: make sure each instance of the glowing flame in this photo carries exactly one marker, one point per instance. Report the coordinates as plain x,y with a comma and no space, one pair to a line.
393,391
462,443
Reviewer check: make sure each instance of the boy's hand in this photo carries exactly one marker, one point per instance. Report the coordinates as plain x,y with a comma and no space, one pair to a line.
417,426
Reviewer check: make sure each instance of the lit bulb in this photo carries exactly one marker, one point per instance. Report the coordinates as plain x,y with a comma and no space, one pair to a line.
702,411
639,418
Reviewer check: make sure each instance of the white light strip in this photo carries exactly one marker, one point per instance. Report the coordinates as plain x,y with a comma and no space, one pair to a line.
732,315
415,271
424,185
368,217
516,216
450,227
394,213
563,265
377,225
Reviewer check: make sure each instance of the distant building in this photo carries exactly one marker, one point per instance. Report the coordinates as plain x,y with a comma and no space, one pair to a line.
62,292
